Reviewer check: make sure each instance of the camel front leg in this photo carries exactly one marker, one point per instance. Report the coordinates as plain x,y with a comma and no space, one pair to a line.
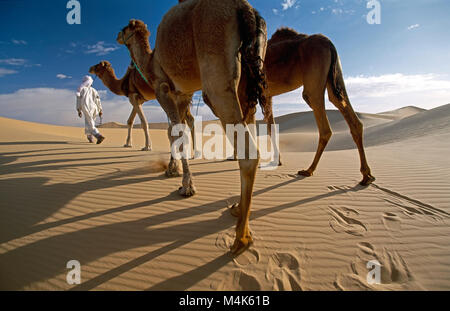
173,169
130,123
144,124
189,118
173,109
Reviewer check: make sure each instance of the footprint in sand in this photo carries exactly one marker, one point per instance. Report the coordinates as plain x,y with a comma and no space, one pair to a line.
411,207
281,176
343,220
284,271
395,273
366,248
240,281
225,240
392,222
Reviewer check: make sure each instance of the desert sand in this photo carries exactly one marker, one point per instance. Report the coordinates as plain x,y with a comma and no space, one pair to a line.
114,211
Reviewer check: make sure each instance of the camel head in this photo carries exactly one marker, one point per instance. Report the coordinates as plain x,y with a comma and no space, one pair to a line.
100,68
135,30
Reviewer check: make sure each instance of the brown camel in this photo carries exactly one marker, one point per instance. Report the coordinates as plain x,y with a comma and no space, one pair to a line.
138,91
294,60
204,45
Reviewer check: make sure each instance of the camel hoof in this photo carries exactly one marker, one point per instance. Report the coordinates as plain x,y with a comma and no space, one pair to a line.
235,210
240,246
305,173
146,148
187,191
367,180
127,146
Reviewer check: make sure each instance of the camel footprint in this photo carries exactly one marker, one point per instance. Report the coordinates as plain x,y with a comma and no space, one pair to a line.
281,176
392,222
284,271
225,240
343,220
241,281
395,273
411,207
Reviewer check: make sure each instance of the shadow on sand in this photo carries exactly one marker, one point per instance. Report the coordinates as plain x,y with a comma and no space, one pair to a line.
36,261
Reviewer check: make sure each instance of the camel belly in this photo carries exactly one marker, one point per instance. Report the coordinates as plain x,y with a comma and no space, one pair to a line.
283,81
175,50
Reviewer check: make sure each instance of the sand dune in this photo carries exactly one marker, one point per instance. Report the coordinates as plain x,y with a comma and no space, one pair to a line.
401,113
403,124
114,211
304,121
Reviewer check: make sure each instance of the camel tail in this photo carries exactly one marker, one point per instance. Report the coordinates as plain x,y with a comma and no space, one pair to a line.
335,75
253,31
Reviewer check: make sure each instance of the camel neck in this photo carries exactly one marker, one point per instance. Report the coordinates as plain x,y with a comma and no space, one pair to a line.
142,56
112,83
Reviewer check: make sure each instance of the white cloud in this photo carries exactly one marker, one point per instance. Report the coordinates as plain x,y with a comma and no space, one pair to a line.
103,94
337,11
4,72
18,62
63,76
13,61
19,42
57,106
380,93
287,4
43,105
101,48
413,26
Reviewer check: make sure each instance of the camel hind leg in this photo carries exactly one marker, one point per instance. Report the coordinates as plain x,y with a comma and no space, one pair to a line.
137,103
356,129
130,123
220,86
317,103
228,110
219,59
271,123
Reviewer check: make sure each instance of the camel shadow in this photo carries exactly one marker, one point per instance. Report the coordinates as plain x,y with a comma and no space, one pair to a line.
27,201
88,245
25,143
186,280
47,165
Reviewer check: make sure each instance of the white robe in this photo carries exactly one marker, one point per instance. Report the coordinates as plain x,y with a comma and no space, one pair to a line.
88,102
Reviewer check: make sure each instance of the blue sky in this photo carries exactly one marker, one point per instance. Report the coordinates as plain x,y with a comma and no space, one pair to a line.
403,61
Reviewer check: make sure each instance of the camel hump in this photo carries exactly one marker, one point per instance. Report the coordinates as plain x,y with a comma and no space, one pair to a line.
285,33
